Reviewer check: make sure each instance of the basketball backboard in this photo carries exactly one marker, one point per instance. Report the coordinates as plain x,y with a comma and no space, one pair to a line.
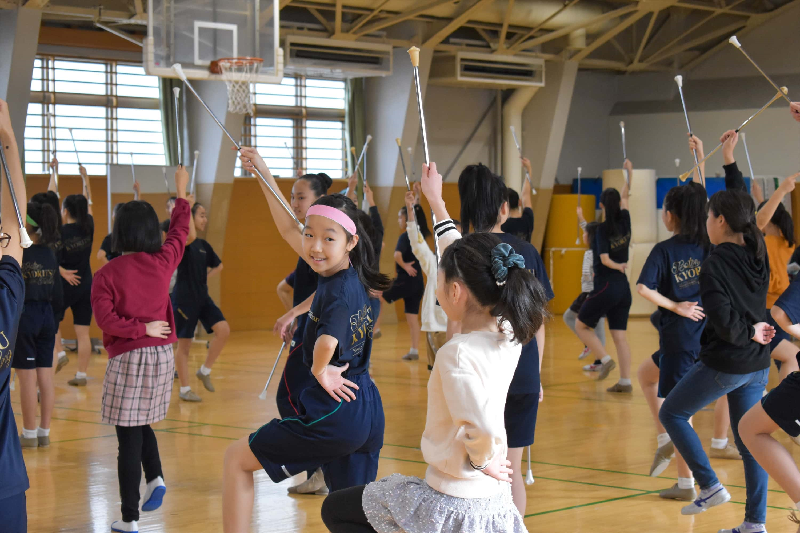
196,32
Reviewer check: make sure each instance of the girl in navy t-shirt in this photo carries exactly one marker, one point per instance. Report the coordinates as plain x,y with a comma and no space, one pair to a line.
340,425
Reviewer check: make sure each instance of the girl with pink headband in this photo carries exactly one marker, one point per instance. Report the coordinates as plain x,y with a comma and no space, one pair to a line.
341,422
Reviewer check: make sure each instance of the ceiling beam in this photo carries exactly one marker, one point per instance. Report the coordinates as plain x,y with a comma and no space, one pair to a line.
574,27
34,4
619,48
531,32
266,13
138,7
610,34
646,36
322,20
337,25
363,20
665,50
502,43
485,36
704,38
702,7
467,8
400,17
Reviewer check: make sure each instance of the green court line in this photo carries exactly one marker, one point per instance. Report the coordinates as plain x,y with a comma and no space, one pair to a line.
198,435
194,425
83,438
590,504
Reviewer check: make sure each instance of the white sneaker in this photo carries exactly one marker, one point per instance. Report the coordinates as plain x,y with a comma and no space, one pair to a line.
125,527
707,499
586,351
594,367
313,485
746,528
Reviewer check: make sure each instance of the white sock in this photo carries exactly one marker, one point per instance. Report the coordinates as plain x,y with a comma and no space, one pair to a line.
752,527
28,433
151,486
185,389
719,444
61,354
685,482
41,432
710,490
413,350
605,359
126,526
663,439
205,370
797,505
80,375
624,381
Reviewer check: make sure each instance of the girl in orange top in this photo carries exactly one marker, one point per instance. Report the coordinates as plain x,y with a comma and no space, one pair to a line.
776,223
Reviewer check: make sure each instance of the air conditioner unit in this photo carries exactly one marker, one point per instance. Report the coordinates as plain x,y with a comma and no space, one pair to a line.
471,69
312,56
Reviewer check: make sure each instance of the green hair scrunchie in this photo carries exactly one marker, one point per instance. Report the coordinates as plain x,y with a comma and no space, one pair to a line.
31,221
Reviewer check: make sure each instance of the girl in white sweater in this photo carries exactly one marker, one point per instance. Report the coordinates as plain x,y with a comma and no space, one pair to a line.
483,284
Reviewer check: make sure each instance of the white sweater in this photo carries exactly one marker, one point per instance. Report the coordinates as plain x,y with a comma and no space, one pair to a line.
466,400
433,317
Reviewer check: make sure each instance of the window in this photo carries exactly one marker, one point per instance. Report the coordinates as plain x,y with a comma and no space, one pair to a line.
299,123
105,111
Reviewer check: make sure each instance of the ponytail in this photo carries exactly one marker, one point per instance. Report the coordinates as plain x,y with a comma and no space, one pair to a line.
610,199
495,279
482,195
78,208
688,205
318,183
739,211
46,219
362,257
783,220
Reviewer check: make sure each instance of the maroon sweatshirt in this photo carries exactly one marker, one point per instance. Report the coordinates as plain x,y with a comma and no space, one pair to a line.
133,289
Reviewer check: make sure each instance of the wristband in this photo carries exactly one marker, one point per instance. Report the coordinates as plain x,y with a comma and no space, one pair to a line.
476,467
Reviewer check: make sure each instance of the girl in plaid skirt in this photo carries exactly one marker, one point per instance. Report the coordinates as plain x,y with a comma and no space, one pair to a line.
130,298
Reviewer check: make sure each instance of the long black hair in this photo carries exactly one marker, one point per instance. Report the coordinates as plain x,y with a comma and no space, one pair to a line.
319,183
374,237
50,198
739,211
422,220
591,231
611,202
362,257
482,195
136,229
46,219
78,208
688,204
783,220
520,300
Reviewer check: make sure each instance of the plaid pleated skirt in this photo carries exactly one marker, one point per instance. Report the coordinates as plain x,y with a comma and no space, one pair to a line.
137,386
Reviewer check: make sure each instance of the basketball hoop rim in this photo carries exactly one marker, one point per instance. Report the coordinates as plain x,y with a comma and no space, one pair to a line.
242,61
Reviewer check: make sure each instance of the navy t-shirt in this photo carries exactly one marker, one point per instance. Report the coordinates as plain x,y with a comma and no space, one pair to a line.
106,247
789,301
192,282
76,249
341,309
290,279
526,377
12,295
304,282
521,227
616,247
39,268
404,247
673,269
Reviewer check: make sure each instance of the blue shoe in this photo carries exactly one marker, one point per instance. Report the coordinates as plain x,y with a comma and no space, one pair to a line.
154,495
707,499
124,527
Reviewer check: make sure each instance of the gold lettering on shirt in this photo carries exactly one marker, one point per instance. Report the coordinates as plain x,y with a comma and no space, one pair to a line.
686,272
360,328
5,357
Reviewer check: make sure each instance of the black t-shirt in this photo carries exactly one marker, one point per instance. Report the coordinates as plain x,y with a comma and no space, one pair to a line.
39,268
616,247
526,377
76,249
192,282
12,294
377,224
341,309
673,269
106,247
305,282
521,227
404,247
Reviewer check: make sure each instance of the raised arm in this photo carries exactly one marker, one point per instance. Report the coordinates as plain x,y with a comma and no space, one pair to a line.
525,194
765,213
696,145
10,224
87,187
623,202
733,176
52,185
137,190
287,227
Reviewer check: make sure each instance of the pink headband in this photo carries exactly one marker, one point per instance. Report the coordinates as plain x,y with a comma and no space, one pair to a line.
333,214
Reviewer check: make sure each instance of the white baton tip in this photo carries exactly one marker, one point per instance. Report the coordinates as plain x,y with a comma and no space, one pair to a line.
579,170
734,41
369,138
621,124
511,128
176,91
679,80
179,71
677,162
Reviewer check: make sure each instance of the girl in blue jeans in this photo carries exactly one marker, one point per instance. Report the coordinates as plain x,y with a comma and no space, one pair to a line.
734,353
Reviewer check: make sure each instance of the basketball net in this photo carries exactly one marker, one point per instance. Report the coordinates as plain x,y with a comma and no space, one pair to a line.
240,74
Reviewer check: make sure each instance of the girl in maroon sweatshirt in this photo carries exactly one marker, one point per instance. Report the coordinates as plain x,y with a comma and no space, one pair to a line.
130,299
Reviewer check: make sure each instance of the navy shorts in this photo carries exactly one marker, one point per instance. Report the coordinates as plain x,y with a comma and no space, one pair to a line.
79,299
14,514
656,357
36,337
296,377
782,404
520,418
187,315
611,299
410,292
780,335
672,368
344,438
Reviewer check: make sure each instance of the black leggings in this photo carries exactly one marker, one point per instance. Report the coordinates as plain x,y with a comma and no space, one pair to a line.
137,448
342,512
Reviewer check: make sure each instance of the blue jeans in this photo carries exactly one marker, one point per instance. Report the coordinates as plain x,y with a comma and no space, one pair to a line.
698,388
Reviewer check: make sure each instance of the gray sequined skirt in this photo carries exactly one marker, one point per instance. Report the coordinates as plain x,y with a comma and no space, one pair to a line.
401,503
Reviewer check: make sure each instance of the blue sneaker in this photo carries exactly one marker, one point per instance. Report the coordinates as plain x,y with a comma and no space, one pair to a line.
154,495
124,527
708,498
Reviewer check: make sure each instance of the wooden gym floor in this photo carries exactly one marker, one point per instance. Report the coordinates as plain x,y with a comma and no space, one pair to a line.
591,457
